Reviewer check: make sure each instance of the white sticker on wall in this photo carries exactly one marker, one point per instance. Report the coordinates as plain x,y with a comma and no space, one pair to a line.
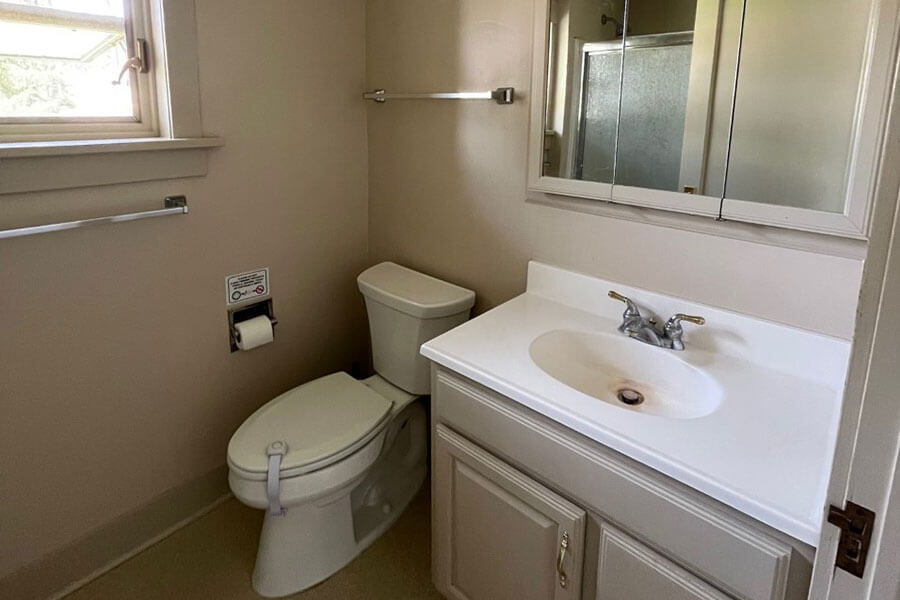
246,286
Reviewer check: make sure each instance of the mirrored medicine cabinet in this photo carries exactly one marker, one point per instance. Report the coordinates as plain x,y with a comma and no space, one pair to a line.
759,111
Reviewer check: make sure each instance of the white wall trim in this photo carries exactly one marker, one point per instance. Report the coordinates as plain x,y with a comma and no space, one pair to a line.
69,147
175,52
40,166
68,171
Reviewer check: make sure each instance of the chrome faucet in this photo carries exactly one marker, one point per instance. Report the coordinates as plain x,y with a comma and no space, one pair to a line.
636,326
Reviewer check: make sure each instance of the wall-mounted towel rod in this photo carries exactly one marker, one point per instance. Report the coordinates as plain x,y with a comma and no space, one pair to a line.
504,95
174,205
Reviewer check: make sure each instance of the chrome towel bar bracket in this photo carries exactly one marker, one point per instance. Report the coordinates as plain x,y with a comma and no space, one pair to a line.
503,95
173,205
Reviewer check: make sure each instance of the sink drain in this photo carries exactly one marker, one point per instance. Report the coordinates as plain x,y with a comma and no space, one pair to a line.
630,397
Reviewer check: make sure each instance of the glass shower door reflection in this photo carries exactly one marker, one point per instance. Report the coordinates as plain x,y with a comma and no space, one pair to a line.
638,142
596,156
654,106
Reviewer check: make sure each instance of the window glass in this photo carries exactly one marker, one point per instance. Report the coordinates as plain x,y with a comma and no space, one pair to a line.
59,60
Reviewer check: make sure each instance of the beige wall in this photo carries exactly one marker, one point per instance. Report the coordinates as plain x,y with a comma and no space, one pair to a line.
447,184
116,383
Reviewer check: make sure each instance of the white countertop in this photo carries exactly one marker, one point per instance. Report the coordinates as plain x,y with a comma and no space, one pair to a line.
767,449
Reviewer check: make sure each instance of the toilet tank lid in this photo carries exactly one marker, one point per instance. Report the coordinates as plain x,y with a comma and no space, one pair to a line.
414,293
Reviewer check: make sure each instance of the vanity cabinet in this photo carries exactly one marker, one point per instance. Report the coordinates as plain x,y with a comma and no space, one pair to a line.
499,534
524,508
627,569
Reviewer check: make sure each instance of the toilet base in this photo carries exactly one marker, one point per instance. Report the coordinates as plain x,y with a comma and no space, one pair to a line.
302,547
310,542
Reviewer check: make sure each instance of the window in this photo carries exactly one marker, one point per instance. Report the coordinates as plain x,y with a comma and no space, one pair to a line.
76,69
63,124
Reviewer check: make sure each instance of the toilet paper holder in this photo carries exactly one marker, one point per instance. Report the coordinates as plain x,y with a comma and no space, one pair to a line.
245,313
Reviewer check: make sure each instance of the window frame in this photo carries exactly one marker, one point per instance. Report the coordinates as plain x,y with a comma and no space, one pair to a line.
179,150
138,26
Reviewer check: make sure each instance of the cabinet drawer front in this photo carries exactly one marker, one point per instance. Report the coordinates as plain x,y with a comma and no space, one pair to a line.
497,534
628,570
708,538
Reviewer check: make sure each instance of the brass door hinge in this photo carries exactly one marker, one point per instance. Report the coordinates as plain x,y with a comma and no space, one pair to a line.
856,524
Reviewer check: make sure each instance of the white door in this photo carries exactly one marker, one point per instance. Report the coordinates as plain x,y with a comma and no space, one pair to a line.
865,469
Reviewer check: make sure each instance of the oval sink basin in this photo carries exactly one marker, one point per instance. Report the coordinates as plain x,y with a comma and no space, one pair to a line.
627,374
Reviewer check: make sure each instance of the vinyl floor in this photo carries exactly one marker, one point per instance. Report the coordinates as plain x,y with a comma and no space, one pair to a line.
212,558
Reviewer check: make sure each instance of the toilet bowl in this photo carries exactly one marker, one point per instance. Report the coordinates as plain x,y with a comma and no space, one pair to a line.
334,461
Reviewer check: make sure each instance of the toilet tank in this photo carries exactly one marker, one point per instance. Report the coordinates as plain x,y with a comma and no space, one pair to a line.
406,309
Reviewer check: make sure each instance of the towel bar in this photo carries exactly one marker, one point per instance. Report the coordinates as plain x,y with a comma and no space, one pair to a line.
174,205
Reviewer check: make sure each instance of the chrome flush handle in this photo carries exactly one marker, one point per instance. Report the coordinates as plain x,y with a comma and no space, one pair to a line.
563,547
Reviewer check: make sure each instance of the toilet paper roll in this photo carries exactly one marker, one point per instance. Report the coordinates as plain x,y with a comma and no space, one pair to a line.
254,332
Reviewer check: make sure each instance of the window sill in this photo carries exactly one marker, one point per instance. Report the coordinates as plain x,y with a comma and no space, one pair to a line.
40,166
26,149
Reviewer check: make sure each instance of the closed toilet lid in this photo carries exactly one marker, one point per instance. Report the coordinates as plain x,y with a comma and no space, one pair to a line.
321,421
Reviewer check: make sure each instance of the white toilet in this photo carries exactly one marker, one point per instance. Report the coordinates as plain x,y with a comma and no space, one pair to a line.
335,461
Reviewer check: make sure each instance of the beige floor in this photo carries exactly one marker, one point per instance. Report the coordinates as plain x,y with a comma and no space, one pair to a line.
213,558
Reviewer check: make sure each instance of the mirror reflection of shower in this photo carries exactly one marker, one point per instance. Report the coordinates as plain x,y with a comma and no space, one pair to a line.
647,124
638,95
620,29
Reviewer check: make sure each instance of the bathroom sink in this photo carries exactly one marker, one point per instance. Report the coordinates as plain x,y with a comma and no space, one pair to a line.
746,414
627,374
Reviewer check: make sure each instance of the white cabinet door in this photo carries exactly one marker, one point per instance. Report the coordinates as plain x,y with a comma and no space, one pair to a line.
498,535
628,570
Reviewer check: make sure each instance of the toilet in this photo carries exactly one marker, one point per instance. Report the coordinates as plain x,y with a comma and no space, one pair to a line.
334,462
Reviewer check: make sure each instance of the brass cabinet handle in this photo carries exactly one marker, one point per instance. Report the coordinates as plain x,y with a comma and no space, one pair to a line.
563,547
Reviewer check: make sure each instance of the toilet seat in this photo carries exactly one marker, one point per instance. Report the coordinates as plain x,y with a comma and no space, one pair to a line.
322,422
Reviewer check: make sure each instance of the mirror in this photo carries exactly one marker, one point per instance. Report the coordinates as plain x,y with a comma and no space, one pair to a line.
655,86
674,119
583,80
652,118
744,110
801,69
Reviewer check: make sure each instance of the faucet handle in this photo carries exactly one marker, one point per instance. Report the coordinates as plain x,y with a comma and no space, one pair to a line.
689,318
674,331
631,310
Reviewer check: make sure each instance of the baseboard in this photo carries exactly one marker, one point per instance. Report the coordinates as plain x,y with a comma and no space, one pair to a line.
73,566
